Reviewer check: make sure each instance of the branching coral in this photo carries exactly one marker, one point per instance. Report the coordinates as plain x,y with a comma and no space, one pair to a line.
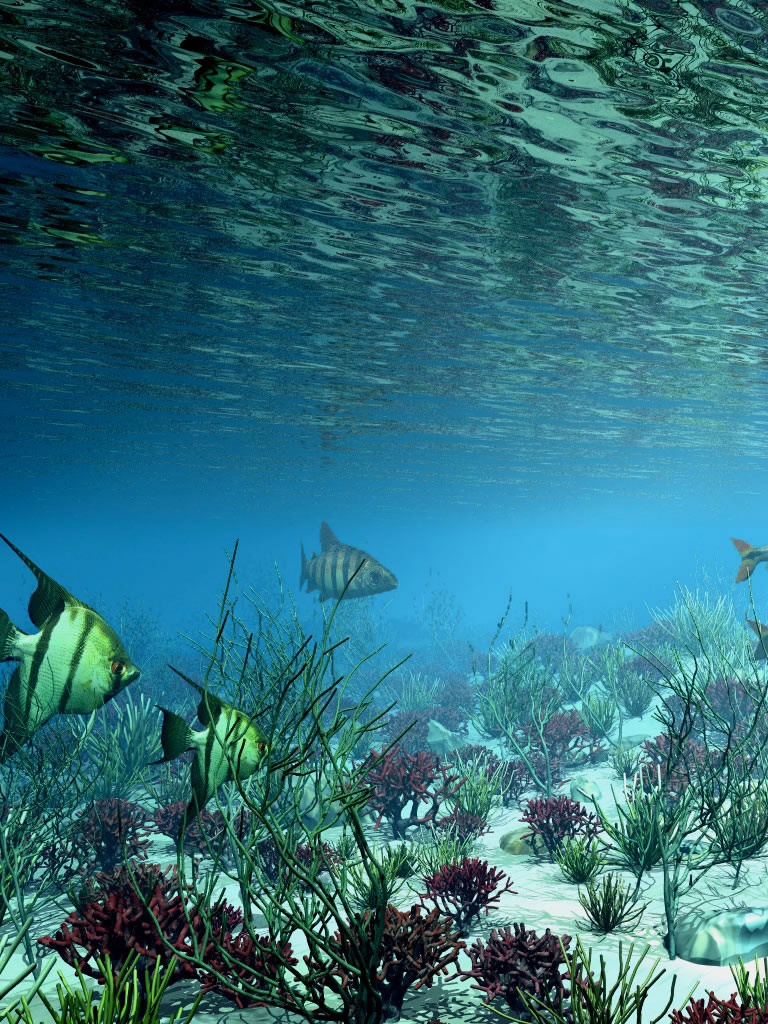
399,780
463,891
516,960
553,819
415,948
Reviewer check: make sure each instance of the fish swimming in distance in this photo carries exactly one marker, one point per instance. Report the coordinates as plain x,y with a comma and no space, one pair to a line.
73,665
230,747
341,571
750,558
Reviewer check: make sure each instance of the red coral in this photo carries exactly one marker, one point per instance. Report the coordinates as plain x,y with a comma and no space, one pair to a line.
400,779
719,1011
415,949
110,832
553,819
567,738
130,910
520,961
463,891
255,962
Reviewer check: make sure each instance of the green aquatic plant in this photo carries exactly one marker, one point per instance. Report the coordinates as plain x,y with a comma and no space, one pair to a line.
738,830
416,692
310,717
625,761
10,948
122,745
703,624
596,1001
435,848
636,835
600,713
129,997
480,794
368,890
753,992
611,904
580,859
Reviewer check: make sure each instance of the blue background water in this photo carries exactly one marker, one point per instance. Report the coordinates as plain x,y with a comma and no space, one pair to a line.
480,284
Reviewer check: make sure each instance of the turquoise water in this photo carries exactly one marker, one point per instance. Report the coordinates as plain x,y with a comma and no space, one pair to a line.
480,283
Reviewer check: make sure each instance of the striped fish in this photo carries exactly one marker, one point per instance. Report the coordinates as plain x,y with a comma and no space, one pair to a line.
72,666
230,747
341,571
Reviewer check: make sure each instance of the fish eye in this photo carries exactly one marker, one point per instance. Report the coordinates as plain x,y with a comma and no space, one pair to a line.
375,576
118,667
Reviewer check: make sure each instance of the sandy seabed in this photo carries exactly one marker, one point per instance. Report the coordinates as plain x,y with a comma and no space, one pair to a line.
542,899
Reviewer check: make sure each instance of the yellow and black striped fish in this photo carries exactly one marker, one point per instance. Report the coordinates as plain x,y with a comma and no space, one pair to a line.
341,571
72,666
230,747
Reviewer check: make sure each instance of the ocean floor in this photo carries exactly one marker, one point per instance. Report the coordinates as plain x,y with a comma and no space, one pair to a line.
542,899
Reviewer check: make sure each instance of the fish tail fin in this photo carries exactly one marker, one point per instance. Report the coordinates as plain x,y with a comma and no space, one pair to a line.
176,737
304,573
748,559
8,637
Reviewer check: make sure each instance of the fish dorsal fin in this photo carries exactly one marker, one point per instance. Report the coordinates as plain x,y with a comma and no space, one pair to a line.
328,538
209,704
50,598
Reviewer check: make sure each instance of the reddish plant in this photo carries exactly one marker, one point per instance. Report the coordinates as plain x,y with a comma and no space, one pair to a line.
567,738
416,723
109,832
553,819
719,1011
463,825
401,780
415,949
463,891
115,918
675,765
519,960
254,961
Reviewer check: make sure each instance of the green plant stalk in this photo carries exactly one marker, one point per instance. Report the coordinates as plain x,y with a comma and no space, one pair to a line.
597,1003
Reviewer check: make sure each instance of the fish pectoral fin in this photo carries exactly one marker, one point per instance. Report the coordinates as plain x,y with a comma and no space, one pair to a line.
50,597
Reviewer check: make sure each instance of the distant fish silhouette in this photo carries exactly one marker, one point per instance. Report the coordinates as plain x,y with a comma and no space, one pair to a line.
750,558
343,571
72,666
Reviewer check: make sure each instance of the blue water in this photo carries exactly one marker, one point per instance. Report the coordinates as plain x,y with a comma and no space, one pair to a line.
480,284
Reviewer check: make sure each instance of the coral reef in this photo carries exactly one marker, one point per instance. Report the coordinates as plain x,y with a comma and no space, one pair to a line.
553,819
399,779
518,960
463,891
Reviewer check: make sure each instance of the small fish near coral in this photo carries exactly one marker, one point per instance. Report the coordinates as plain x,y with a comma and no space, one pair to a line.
231,746
343,572
750,558
73,665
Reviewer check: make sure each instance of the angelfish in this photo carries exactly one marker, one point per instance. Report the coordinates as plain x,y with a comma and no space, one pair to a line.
341,571
231,746
750,558
73,665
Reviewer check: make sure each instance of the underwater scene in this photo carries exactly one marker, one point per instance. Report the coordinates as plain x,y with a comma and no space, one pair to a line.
383,401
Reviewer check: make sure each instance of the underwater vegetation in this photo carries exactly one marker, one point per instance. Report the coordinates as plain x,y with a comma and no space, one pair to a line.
300,854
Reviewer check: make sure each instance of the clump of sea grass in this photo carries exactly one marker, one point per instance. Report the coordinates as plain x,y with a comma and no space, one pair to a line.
611,905
580,859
